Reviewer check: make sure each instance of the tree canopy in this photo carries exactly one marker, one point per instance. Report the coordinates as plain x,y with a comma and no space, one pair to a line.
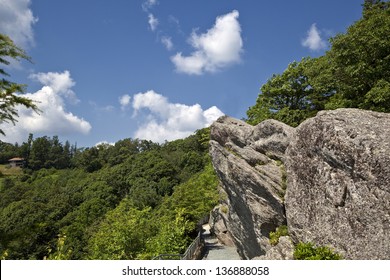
132,200
353,73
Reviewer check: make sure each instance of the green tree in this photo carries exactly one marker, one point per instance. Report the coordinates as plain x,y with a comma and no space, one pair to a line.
40,152
25,148
195,198
60,253
139,205
172,237
360,61
354,73
89,159
122,235
288,97
7,151
9,97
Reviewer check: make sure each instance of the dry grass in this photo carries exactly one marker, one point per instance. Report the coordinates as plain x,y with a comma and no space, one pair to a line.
7,171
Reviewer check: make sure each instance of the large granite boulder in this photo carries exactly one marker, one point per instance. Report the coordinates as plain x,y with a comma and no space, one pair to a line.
249,162
338,195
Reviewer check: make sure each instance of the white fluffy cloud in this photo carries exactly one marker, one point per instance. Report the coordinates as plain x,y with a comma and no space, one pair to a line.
53,119
148,4
153,22
170,121
17,20
104,144
60,83
124,100
167,42
313,40
219,47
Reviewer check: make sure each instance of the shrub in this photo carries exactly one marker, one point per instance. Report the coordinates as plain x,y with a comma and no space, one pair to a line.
224,209
307,251
275,235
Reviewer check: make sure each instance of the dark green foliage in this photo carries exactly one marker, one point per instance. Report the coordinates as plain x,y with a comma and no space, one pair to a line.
132,232
197,196
32,220
307,251
360,61
289,97
7,151
122,234
141,199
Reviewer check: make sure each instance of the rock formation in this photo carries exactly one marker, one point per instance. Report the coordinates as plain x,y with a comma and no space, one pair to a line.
249,163
337,166
338,194
284,250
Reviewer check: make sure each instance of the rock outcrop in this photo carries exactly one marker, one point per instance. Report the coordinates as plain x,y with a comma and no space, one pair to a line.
337,166
284,250
338,194
249,162
218,227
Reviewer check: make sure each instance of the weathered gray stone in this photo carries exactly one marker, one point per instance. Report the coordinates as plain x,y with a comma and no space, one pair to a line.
248,161
272,138
284,250
218,226
338,194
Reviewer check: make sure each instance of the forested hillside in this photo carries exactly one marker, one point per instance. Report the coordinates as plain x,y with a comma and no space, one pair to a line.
133,200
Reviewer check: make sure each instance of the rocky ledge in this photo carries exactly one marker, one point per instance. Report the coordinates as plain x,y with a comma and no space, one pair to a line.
328,180
249,163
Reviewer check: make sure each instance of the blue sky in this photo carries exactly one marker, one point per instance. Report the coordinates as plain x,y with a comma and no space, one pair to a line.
156,69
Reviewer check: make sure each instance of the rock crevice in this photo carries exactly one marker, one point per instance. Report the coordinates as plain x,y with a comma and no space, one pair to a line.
248,162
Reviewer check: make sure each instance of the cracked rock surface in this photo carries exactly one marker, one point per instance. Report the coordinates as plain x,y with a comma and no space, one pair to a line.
249,163
338,177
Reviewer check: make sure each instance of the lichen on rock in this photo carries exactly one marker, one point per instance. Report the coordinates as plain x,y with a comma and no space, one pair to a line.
338,195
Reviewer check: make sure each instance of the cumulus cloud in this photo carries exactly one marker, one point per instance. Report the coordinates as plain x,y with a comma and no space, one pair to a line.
170,121
313,40
148,4
219,47
17,20
61,83
53,119
104,144
167,42
153,22
101,109
124,100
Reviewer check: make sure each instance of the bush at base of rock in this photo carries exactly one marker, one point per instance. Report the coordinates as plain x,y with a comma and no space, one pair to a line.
275,235
307,251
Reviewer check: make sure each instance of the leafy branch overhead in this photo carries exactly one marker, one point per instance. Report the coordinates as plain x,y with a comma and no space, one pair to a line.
10,91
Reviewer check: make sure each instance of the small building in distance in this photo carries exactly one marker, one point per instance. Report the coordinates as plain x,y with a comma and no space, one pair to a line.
17,162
